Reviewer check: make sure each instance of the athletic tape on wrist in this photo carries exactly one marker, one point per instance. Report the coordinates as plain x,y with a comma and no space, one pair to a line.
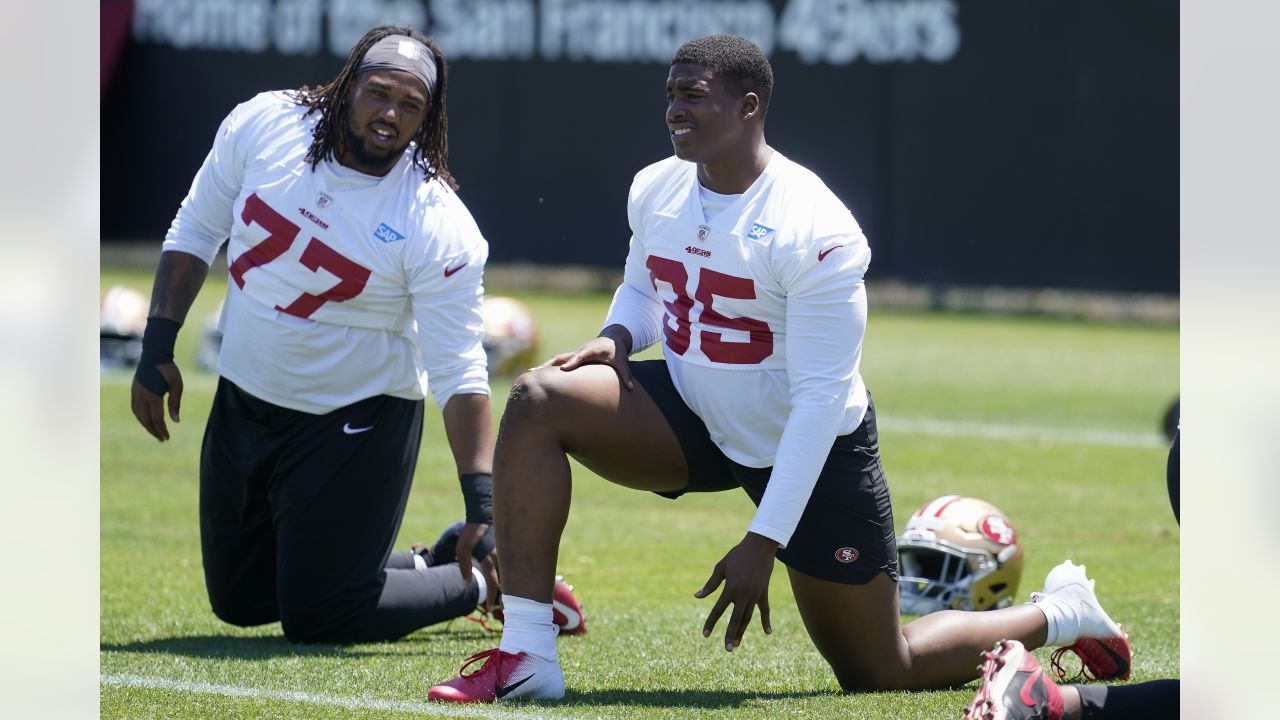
157,349
477,496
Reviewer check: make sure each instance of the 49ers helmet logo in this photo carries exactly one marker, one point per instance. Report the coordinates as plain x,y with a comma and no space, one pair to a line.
998,530
846,555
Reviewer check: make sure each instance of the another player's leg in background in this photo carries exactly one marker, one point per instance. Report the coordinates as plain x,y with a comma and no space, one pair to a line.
1016,687
620,435
1006,668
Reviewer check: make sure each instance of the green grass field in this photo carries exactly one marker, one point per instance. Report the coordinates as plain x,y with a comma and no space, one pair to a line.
1056,422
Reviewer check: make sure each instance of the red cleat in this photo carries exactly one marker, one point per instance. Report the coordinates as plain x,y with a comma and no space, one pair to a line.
1102,646
1014,687
502,676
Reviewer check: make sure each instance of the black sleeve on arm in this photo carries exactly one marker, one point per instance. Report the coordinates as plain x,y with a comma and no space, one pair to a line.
477,496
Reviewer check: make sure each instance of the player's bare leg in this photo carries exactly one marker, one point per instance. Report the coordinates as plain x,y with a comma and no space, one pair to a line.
551,413
858,631
619,434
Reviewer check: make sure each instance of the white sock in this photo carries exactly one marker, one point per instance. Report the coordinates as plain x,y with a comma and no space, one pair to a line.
1063,619
480,583
419,562
527,626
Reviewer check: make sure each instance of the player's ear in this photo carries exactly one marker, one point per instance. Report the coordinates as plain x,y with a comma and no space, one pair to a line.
750,106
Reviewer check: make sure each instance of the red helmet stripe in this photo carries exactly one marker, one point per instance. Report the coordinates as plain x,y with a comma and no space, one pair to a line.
947,504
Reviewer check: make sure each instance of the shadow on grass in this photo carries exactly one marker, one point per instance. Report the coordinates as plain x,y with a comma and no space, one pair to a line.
262,647
689,699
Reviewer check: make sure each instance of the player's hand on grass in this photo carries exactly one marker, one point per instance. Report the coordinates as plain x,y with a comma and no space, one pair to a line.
148,406
608,349
467,540
745,572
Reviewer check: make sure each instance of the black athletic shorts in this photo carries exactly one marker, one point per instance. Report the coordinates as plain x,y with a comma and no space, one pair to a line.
846,532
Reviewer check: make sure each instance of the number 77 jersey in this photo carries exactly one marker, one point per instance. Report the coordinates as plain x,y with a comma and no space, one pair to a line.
343,285
761,309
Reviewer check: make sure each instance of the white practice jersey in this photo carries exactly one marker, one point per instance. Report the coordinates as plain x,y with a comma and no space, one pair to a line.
761,313
343,285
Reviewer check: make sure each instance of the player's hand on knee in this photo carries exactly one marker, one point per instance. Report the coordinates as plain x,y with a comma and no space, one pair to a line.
597,351
745,573
150,384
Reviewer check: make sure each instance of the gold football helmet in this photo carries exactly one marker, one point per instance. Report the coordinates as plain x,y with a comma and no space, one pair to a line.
122,316
510,336
957,553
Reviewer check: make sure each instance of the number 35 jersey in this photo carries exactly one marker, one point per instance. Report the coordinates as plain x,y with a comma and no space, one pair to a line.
343,285
761,311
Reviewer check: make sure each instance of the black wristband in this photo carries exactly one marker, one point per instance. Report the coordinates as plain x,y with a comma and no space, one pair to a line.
477,496
157,349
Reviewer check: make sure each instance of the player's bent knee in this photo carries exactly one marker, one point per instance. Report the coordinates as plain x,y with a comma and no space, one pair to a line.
303,625
535,394
242,614
867,683
871,680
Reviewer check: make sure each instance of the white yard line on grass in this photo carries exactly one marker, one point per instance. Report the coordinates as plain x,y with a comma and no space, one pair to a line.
297,696
959,428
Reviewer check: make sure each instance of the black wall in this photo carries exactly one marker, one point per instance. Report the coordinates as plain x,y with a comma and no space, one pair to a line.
977,141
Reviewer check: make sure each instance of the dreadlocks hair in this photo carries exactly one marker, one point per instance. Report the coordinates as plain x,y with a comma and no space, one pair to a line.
332,101
737,60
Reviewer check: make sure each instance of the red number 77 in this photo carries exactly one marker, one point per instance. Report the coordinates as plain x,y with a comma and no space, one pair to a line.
281,233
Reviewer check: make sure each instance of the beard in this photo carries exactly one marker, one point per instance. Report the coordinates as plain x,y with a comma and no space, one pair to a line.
371,157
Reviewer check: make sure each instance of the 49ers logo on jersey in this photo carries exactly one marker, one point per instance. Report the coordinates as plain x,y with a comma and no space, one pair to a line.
998,530
847,555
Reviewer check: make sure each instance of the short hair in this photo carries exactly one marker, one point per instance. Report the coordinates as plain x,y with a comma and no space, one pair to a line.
329,139
735,59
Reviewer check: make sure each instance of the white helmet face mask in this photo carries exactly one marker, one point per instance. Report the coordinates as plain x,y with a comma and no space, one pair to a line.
957,553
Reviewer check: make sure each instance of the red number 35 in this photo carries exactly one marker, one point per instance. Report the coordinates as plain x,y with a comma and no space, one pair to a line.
710,284
281,233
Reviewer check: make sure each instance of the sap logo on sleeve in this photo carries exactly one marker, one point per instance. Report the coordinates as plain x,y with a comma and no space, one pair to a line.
758,231
386,234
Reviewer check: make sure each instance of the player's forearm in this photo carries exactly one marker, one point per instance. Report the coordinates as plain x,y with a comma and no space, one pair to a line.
179,277
468,425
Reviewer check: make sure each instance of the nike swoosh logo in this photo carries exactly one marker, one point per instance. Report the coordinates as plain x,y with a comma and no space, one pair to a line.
823,253
346,428
501,692
1122,665
571,619
1027,687
448,272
